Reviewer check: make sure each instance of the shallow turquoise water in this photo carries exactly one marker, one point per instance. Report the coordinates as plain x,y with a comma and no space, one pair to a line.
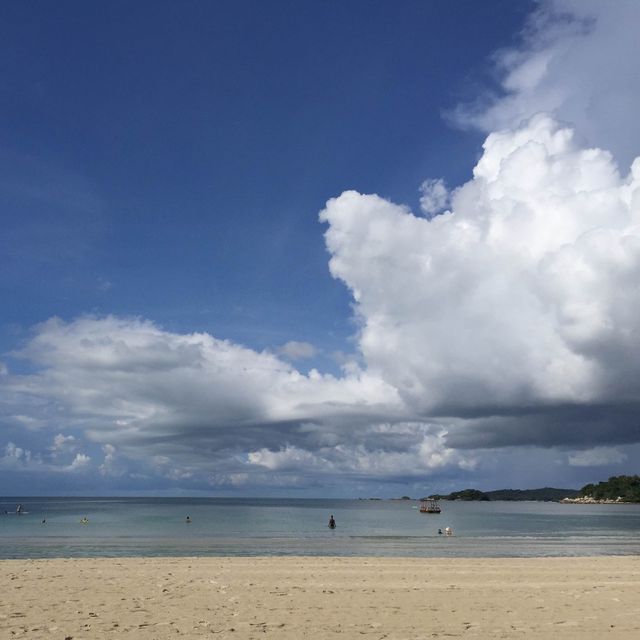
220,526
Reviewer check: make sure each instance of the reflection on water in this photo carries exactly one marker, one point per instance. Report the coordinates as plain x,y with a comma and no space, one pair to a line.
158,526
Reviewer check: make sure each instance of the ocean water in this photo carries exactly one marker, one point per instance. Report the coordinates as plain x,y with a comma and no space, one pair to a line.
230,527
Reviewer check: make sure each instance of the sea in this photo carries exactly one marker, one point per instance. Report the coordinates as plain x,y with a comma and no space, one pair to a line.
148,527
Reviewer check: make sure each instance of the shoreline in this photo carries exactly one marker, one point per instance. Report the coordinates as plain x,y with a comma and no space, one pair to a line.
590,500
319,597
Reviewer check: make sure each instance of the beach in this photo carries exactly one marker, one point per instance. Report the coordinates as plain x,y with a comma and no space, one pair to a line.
321,597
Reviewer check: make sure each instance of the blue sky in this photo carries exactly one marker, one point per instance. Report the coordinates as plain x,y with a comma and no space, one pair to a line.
162,170
169,159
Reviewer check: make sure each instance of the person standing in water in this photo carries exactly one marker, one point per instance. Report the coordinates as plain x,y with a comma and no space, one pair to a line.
332,522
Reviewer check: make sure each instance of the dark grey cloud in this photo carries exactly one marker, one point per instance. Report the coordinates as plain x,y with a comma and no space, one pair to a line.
559,426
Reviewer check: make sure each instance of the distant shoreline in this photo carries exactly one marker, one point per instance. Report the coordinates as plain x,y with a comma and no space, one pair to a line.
591,500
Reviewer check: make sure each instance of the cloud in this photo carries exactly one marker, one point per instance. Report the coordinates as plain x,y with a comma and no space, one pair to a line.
182,405
434,198
518,300
139,378
507,320
27,421
58,458
185,406
407,450
287,458
79,463
597,457
578,61
498,322
112,465
62,443
294,350
14,455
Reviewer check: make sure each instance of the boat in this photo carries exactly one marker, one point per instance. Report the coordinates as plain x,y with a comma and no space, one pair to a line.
430,506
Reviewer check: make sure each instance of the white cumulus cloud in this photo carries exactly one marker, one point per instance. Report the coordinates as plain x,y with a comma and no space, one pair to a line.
80,462
522,295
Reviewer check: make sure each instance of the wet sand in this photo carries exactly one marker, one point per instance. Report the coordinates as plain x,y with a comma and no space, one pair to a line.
285,597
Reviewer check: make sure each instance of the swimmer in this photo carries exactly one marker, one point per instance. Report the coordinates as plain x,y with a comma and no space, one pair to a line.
188,520
332,522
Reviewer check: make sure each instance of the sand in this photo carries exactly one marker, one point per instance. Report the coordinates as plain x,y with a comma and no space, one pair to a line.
285,598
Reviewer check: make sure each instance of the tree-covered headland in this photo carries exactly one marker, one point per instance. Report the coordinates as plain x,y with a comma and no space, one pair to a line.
618,488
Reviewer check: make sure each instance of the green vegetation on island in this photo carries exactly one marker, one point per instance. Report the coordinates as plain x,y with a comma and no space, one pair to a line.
616,488
465,494
546,494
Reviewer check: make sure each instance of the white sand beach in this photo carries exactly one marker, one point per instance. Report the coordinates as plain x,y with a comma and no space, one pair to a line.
303,597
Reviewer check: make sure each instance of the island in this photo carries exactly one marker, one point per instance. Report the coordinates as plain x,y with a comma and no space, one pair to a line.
617,489
545,494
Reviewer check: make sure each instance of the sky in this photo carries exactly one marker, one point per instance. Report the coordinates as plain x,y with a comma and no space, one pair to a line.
332,249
